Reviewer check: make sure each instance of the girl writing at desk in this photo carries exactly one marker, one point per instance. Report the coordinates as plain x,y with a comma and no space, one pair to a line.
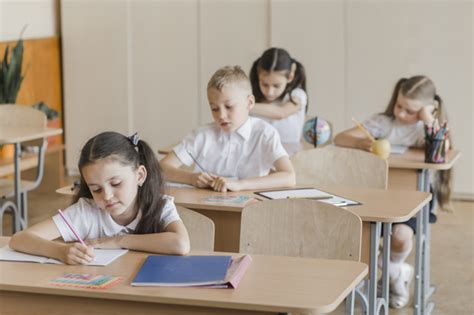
414,104
120,204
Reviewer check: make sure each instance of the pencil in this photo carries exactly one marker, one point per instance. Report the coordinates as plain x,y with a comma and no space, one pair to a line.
361,127
73,230
195,161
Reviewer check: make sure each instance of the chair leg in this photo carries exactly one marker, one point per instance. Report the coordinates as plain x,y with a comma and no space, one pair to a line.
350,303
24,210
8,205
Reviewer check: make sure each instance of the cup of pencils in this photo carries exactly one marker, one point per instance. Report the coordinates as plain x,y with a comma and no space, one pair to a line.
435,143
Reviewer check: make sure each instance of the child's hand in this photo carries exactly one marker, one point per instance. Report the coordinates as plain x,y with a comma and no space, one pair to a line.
106,242
224,184
364,144
202,180
425,114
76,253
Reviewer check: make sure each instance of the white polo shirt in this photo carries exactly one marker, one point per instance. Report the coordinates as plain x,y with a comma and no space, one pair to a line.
409,135
249,151
290,128
91,222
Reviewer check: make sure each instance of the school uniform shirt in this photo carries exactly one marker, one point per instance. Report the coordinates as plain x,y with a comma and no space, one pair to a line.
250,151
409,135
91,222
290,128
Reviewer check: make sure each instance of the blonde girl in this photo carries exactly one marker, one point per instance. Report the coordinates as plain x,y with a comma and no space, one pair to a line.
414,104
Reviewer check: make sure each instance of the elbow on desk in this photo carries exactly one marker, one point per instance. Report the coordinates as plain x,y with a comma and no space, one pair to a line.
182,248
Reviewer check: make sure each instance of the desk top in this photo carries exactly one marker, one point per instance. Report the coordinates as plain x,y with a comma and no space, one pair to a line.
272,283
415,159
15,135
378,205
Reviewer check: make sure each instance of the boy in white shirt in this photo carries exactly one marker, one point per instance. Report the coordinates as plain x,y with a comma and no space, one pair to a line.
235,152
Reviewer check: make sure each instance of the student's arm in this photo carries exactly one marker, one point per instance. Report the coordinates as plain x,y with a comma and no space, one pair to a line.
171,168
39,240
174,240
283,176
353,138
276,112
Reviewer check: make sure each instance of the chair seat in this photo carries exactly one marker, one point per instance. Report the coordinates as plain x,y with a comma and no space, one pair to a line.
7,187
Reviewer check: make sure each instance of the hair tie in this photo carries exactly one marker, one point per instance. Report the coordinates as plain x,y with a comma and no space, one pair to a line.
134,140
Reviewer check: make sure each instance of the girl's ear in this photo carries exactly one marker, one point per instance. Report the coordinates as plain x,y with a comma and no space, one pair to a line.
141,175
291,76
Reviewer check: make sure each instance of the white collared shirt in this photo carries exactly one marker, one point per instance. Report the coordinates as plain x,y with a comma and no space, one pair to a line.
409,135
290,128
249,151
91,222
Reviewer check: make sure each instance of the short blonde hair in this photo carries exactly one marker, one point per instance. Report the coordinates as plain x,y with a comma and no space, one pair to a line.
229,75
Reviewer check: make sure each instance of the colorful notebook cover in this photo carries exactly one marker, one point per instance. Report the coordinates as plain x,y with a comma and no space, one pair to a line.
86,281
181,271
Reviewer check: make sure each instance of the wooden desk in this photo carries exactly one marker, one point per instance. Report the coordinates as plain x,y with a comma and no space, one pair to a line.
409,171
272,284
13,135
379,209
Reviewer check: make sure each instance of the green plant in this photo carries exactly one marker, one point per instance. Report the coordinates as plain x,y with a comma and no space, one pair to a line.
50,113
10,74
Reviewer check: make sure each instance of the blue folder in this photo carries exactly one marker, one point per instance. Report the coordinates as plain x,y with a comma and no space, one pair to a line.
182,271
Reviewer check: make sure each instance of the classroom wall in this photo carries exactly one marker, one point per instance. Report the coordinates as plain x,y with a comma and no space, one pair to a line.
40,16
143,65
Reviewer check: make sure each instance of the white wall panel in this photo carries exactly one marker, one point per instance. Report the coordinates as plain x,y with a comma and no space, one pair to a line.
40,16
313,34
231,33
164,70
95,71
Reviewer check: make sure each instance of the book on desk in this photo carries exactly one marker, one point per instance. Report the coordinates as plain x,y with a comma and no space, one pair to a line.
186,271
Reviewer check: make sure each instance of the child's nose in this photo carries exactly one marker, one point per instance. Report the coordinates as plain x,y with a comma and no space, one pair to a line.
108,194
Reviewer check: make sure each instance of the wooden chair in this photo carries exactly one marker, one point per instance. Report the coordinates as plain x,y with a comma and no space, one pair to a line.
26,117
301,228
200,229
336,165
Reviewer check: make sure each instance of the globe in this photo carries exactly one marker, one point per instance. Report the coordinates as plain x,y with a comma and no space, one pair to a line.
316,131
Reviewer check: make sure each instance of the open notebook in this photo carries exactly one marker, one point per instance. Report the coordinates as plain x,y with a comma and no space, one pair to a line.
308,193
103,257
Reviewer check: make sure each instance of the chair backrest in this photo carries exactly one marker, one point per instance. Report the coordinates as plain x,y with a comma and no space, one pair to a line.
300,228
21,116
200,229
336,165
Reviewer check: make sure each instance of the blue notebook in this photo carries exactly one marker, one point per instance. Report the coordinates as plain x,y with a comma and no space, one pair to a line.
183,271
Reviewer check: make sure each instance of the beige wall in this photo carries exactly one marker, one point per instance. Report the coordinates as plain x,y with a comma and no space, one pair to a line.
39,15
143,65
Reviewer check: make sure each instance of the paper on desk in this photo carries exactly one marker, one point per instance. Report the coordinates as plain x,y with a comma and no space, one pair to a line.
103,257
178,185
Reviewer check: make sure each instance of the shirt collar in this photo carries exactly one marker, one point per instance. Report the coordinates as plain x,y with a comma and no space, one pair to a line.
245,130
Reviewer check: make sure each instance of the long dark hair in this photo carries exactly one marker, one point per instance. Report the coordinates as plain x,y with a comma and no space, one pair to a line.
277,59
422,88
115,146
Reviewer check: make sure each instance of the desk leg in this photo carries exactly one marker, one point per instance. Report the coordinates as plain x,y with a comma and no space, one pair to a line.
422,268
428,290
18,218
375,304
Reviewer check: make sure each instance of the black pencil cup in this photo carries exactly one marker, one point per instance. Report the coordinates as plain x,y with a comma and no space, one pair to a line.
435,151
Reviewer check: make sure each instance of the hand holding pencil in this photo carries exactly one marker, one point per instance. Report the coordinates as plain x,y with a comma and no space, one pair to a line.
76,253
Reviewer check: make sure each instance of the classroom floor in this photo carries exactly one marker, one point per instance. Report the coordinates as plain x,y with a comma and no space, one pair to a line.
452,252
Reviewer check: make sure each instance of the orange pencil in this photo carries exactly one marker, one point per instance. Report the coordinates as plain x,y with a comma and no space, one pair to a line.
361,127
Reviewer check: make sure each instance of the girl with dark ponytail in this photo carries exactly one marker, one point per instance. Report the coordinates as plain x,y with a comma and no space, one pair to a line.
120,204
279,86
